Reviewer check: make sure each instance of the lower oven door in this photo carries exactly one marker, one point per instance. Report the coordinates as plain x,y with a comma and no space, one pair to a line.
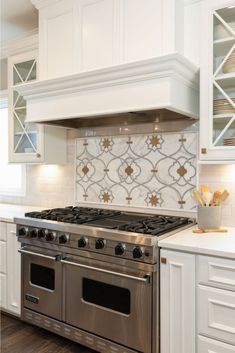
42,281
110,303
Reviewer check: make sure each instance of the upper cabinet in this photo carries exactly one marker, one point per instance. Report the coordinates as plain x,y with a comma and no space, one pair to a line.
82,35
217,132
29,142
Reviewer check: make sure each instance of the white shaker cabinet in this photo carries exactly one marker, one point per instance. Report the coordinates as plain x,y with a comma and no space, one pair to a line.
10,270
83,35
177,302
217,115
28,142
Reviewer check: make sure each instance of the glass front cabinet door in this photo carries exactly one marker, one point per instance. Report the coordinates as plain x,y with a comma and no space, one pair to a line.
218,82
29,142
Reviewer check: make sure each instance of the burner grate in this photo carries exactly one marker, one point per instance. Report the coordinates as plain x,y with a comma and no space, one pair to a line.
152,225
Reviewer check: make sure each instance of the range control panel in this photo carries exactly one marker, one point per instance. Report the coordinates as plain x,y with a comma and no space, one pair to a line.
101,245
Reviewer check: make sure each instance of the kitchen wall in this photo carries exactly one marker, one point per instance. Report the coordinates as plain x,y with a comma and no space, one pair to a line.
54,185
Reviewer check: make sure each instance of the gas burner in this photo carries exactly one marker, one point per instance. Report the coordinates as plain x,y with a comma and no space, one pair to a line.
156,225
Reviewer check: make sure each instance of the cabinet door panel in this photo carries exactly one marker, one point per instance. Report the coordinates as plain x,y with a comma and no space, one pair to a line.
3,259
216,313
97,33
177,302
60,45
141,38
3,231
3,291
207,345
13,271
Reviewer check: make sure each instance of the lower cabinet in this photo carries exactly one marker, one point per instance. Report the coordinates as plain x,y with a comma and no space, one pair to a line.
10,268
197,284
207,345
177,302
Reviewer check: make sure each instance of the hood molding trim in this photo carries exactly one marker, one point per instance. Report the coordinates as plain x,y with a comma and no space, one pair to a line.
173,72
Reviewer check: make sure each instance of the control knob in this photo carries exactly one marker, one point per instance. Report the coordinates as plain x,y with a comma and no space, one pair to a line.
33,233
50,236
22,232
137,252
119,249
41,233
82,242
100,243
63,239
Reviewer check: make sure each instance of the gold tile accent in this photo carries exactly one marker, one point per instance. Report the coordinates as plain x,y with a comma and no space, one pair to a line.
129,170
153,199
85,169
106,143
106,197
154,141
182,171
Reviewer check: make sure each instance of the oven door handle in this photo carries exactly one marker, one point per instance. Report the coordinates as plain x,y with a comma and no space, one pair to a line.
27,252
145,279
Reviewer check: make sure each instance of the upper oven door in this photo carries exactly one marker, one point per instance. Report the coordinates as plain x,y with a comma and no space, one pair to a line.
42,281
107,301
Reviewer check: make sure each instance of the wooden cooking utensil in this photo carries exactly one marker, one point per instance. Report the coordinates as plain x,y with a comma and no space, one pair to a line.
201,231
224,196
216,198
198,197
207,198
205,188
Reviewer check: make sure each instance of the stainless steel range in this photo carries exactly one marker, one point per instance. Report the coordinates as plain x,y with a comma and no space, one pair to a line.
92,275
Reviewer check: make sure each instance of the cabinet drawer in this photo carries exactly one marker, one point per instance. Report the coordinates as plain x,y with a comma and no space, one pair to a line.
3,257
3,231
207,345
216,272
216,313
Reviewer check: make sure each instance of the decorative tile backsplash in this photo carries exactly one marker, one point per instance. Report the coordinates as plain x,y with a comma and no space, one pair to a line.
156,170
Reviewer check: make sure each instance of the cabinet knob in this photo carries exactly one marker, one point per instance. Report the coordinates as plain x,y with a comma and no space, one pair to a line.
203,150
163,260
38,155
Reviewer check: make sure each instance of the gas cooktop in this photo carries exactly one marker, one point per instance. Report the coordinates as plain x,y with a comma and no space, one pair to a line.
155,225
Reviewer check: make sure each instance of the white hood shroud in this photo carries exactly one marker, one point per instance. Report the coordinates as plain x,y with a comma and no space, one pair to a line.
165,82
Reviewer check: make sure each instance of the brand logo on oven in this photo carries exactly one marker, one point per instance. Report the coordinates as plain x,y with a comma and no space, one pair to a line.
31,298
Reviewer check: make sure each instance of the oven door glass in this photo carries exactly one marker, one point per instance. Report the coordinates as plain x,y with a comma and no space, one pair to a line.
108,303
106,295
42,282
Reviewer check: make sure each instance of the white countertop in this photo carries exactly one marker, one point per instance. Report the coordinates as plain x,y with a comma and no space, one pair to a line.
9,211
217,244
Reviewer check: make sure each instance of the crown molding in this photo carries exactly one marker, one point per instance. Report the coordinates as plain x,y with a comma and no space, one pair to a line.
19,45
164,66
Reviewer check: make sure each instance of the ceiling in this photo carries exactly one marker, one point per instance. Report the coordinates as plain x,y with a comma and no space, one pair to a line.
17,18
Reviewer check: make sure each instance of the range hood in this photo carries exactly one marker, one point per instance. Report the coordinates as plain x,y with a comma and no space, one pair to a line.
135,92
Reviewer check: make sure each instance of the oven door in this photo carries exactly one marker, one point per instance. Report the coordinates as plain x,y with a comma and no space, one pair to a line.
42,281
112,303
